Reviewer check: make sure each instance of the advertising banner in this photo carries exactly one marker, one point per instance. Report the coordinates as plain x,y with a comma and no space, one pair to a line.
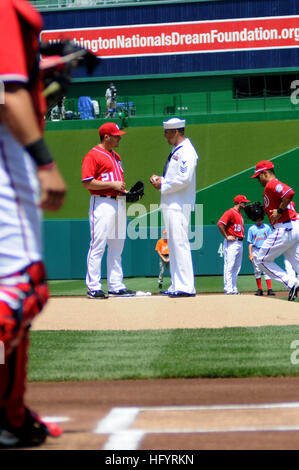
246,34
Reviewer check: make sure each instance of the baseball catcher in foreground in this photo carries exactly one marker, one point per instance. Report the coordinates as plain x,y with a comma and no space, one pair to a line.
29,180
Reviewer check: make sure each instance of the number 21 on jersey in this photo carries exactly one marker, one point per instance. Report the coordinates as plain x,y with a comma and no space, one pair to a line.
108,176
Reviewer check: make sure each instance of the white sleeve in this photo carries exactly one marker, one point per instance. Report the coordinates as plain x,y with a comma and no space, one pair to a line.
183,176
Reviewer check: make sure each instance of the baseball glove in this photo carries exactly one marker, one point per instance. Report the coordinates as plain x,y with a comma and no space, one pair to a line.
135,193
254,211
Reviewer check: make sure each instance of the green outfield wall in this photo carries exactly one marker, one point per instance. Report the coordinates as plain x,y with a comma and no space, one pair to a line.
66,245
224,149
192,118
219,197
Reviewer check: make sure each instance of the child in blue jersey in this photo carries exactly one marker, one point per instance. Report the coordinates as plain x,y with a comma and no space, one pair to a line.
256,236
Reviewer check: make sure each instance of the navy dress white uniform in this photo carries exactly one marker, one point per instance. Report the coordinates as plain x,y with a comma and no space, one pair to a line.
178,186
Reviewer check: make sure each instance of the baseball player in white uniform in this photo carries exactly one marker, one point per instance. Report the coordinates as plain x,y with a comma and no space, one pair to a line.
285,222
102,175
178,186
231,226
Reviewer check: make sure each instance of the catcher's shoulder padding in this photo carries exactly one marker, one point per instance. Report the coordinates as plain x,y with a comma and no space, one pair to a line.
59,60
136,192
255,211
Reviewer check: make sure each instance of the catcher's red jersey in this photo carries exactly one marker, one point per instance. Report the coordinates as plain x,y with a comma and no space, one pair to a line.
15,16
234,223
274,192
20,24
102,165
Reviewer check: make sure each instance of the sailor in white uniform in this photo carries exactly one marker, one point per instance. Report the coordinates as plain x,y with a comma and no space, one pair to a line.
178,186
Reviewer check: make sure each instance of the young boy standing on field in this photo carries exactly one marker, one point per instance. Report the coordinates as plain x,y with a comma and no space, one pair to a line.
256,236
163,252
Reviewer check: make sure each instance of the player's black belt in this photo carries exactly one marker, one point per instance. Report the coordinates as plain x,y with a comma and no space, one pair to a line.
240,239
110,197
287,221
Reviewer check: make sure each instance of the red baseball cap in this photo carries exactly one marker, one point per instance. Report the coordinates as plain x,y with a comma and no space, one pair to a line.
262,166
110,128
240,198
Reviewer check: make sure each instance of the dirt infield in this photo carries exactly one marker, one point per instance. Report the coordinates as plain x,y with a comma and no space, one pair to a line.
170,414
158,312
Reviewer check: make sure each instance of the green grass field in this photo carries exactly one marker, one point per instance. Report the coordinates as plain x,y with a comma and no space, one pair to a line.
111,355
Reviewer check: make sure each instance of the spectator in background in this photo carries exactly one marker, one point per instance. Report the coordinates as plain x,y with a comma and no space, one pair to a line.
61,108
110,97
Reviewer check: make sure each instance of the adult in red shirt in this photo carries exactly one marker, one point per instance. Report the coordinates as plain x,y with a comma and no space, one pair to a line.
26,170
103,176
284,240
231,226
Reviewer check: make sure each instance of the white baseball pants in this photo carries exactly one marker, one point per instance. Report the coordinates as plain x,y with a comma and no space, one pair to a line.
20,217
288,267
233,252
107,219
256,267
180,259
283,240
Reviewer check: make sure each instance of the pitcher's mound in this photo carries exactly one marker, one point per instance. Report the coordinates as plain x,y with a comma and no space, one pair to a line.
158,312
